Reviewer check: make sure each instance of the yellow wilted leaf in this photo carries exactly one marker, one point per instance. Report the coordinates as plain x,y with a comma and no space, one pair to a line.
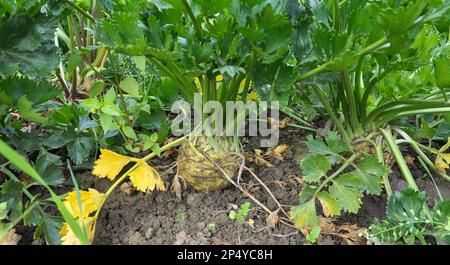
257,158
277,152
69,238
145,177
91,201
280,124
197,83
109,164
330,206
253,96
443,160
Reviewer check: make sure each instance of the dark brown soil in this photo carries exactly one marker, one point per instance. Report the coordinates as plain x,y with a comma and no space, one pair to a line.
202,218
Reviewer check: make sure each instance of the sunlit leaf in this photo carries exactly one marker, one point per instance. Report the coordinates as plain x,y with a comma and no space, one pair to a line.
109,164
91,201
304,215
145,177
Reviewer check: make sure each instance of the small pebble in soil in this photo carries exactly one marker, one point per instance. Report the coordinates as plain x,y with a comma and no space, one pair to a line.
221,218
148,233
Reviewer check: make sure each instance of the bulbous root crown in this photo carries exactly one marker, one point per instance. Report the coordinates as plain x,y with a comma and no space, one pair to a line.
196,167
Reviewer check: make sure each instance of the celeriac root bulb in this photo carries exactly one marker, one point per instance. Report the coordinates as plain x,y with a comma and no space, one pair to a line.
202,173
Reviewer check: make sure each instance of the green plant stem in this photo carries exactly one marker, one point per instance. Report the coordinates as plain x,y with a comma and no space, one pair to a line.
408,111
332,115
313,72
121,131
187,87
302,127
380,157
424,111
444,94
291,114
402,164
373,46
169,73
424,165
336,15
347,163
359,81
248,73
399,158
350,98
8,172
395,106
417,148
369,89
198,29
79,9
18,220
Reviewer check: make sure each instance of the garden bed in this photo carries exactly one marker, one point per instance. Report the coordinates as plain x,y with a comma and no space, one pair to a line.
161,218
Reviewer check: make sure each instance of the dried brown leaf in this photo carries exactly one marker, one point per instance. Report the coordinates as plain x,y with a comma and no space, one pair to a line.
127,188
11,238
295,180
257,158
277,151
409,160
176,186
284,122
349,233
272,220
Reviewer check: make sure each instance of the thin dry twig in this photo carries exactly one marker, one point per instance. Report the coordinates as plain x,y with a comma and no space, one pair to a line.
171,166
268,190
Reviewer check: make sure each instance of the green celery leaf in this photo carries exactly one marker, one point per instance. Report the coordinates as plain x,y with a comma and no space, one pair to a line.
304,215
26,109
35,91
406,205
314,167
11,193
330,206
49,170
80,149
346,189
306,193
49,227
371,171
27,45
